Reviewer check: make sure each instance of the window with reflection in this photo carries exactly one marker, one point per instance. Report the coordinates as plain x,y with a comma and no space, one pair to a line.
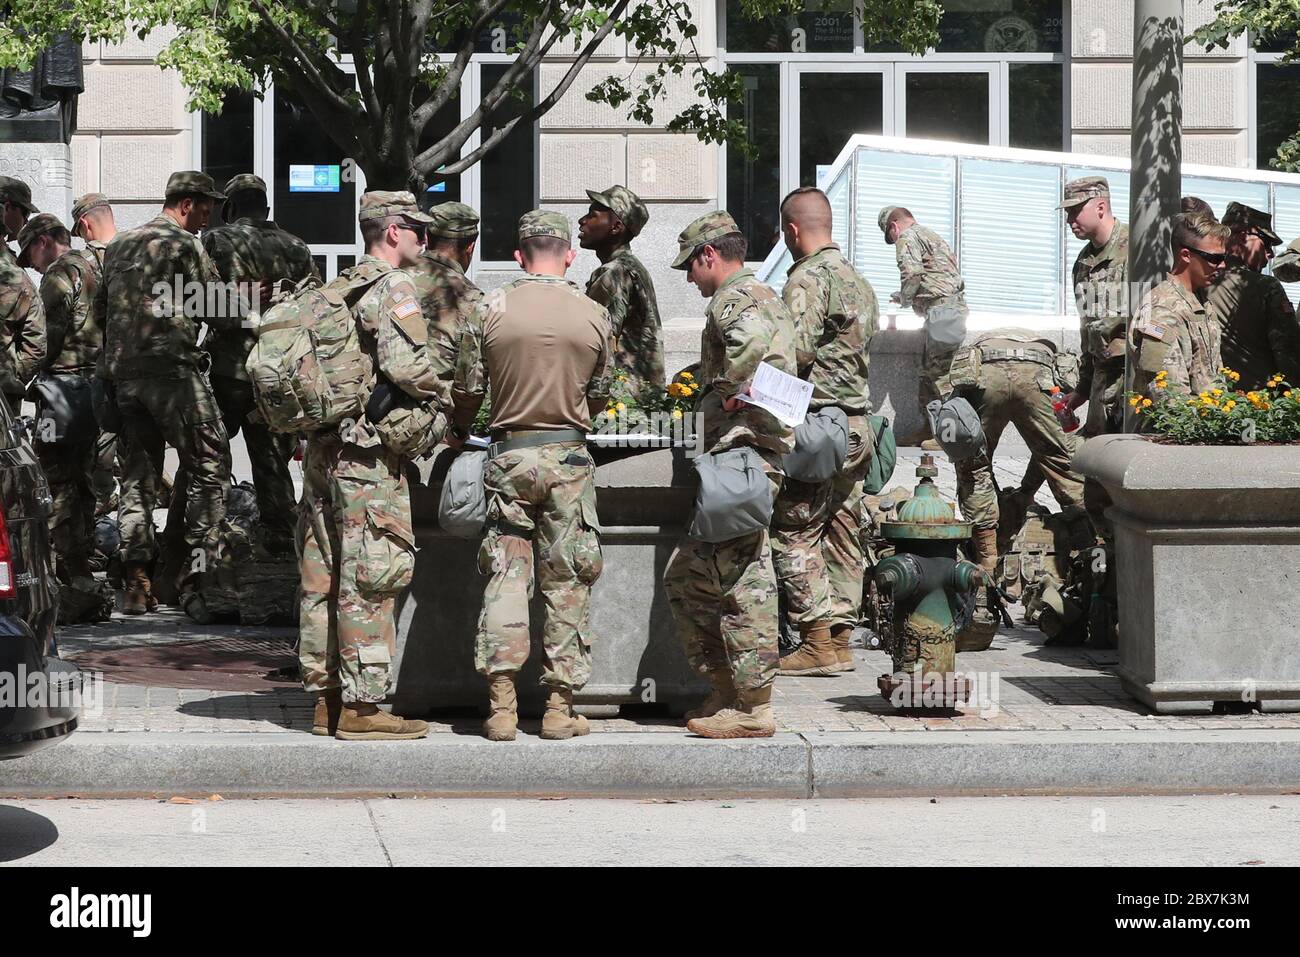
1277,109
754,182
441,189
315,192
822,26
1001,26
506,173
1036,106
227,142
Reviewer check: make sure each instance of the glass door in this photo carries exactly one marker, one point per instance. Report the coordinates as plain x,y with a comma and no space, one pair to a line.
949,101
830,104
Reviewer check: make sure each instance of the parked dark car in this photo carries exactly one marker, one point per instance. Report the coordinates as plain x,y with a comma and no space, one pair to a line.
28,605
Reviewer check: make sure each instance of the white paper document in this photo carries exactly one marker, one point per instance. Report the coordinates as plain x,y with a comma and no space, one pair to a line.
780,393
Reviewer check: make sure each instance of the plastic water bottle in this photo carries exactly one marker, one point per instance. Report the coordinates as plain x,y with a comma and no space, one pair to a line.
1069,421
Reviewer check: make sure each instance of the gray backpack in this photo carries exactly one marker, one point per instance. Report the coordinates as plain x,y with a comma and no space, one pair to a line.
957,427
462,507
821,444
734,497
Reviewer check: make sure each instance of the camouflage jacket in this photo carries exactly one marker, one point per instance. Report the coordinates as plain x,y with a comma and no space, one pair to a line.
1173,332
927,269
1260,332
158,288
746,323
22,326
75,328
1101,296
623,286
394,335
250,253
447,299
835,314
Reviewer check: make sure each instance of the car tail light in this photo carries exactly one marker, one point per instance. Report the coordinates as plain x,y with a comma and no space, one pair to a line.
8,586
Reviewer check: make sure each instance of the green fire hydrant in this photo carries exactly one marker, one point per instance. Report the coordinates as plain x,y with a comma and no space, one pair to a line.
927,584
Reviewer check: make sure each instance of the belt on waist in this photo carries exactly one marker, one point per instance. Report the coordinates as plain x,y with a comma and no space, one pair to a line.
1017,355
525,439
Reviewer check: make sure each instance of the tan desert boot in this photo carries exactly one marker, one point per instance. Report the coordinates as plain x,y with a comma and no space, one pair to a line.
560,722
840,636
722,696
363,721
753,719
325,720
138,597
503,722
815,657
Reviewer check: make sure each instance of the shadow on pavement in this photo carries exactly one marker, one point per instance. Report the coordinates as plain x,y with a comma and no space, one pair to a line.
24,832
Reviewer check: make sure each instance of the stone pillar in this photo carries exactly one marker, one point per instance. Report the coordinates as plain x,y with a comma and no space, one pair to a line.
1156,147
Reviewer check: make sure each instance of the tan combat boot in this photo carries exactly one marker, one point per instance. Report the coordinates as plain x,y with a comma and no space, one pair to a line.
722,696
325,719
502,723
560,722
985,541
815,657
980,631
752,719
138,596
363,721
840,636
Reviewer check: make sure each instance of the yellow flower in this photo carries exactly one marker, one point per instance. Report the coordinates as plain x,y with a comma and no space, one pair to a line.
1286,394
1229,405
1216,392
1234,376
1134,401
687,377
622,407
677,413
622,378
677,390
1146,403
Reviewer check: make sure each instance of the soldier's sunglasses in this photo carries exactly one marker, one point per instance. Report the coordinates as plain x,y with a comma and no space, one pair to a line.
1214,259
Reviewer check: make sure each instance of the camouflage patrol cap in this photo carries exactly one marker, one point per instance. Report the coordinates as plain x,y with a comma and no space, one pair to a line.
883,218
84,204
42,224
708,228
1286,267
1239,216
544,222
17,192
380,204
245,181
192,182
1079,191
624,204
453,221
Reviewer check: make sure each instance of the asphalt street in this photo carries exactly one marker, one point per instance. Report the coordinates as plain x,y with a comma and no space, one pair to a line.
1228,830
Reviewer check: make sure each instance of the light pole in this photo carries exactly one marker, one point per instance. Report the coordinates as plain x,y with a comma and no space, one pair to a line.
1156,149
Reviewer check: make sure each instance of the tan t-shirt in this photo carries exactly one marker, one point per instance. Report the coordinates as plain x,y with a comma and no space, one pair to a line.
544,349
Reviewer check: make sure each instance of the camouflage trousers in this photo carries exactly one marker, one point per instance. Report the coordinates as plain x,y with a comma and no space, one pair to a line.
816,538
357,552
107,469
268,456
179,411
724,602
543,498
1013,393
68,468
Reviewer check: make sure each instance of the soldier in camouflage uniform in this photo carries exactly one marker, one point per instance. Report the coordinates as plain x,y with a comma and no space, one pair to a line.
355,533
544,349
1007,375
724,596
75,334
155,294
1173,332
933,287
1260,333
255,253
92,221
622,285
816,528
447,296
22,317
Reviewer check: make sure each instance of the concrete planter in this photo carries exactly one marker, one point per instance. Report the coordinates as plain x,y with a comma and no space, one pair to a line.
1208,557
644,497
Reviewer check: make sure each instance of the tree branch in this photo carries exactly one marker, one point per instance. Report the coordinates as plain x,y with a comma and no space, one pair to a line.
326,91
451,82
